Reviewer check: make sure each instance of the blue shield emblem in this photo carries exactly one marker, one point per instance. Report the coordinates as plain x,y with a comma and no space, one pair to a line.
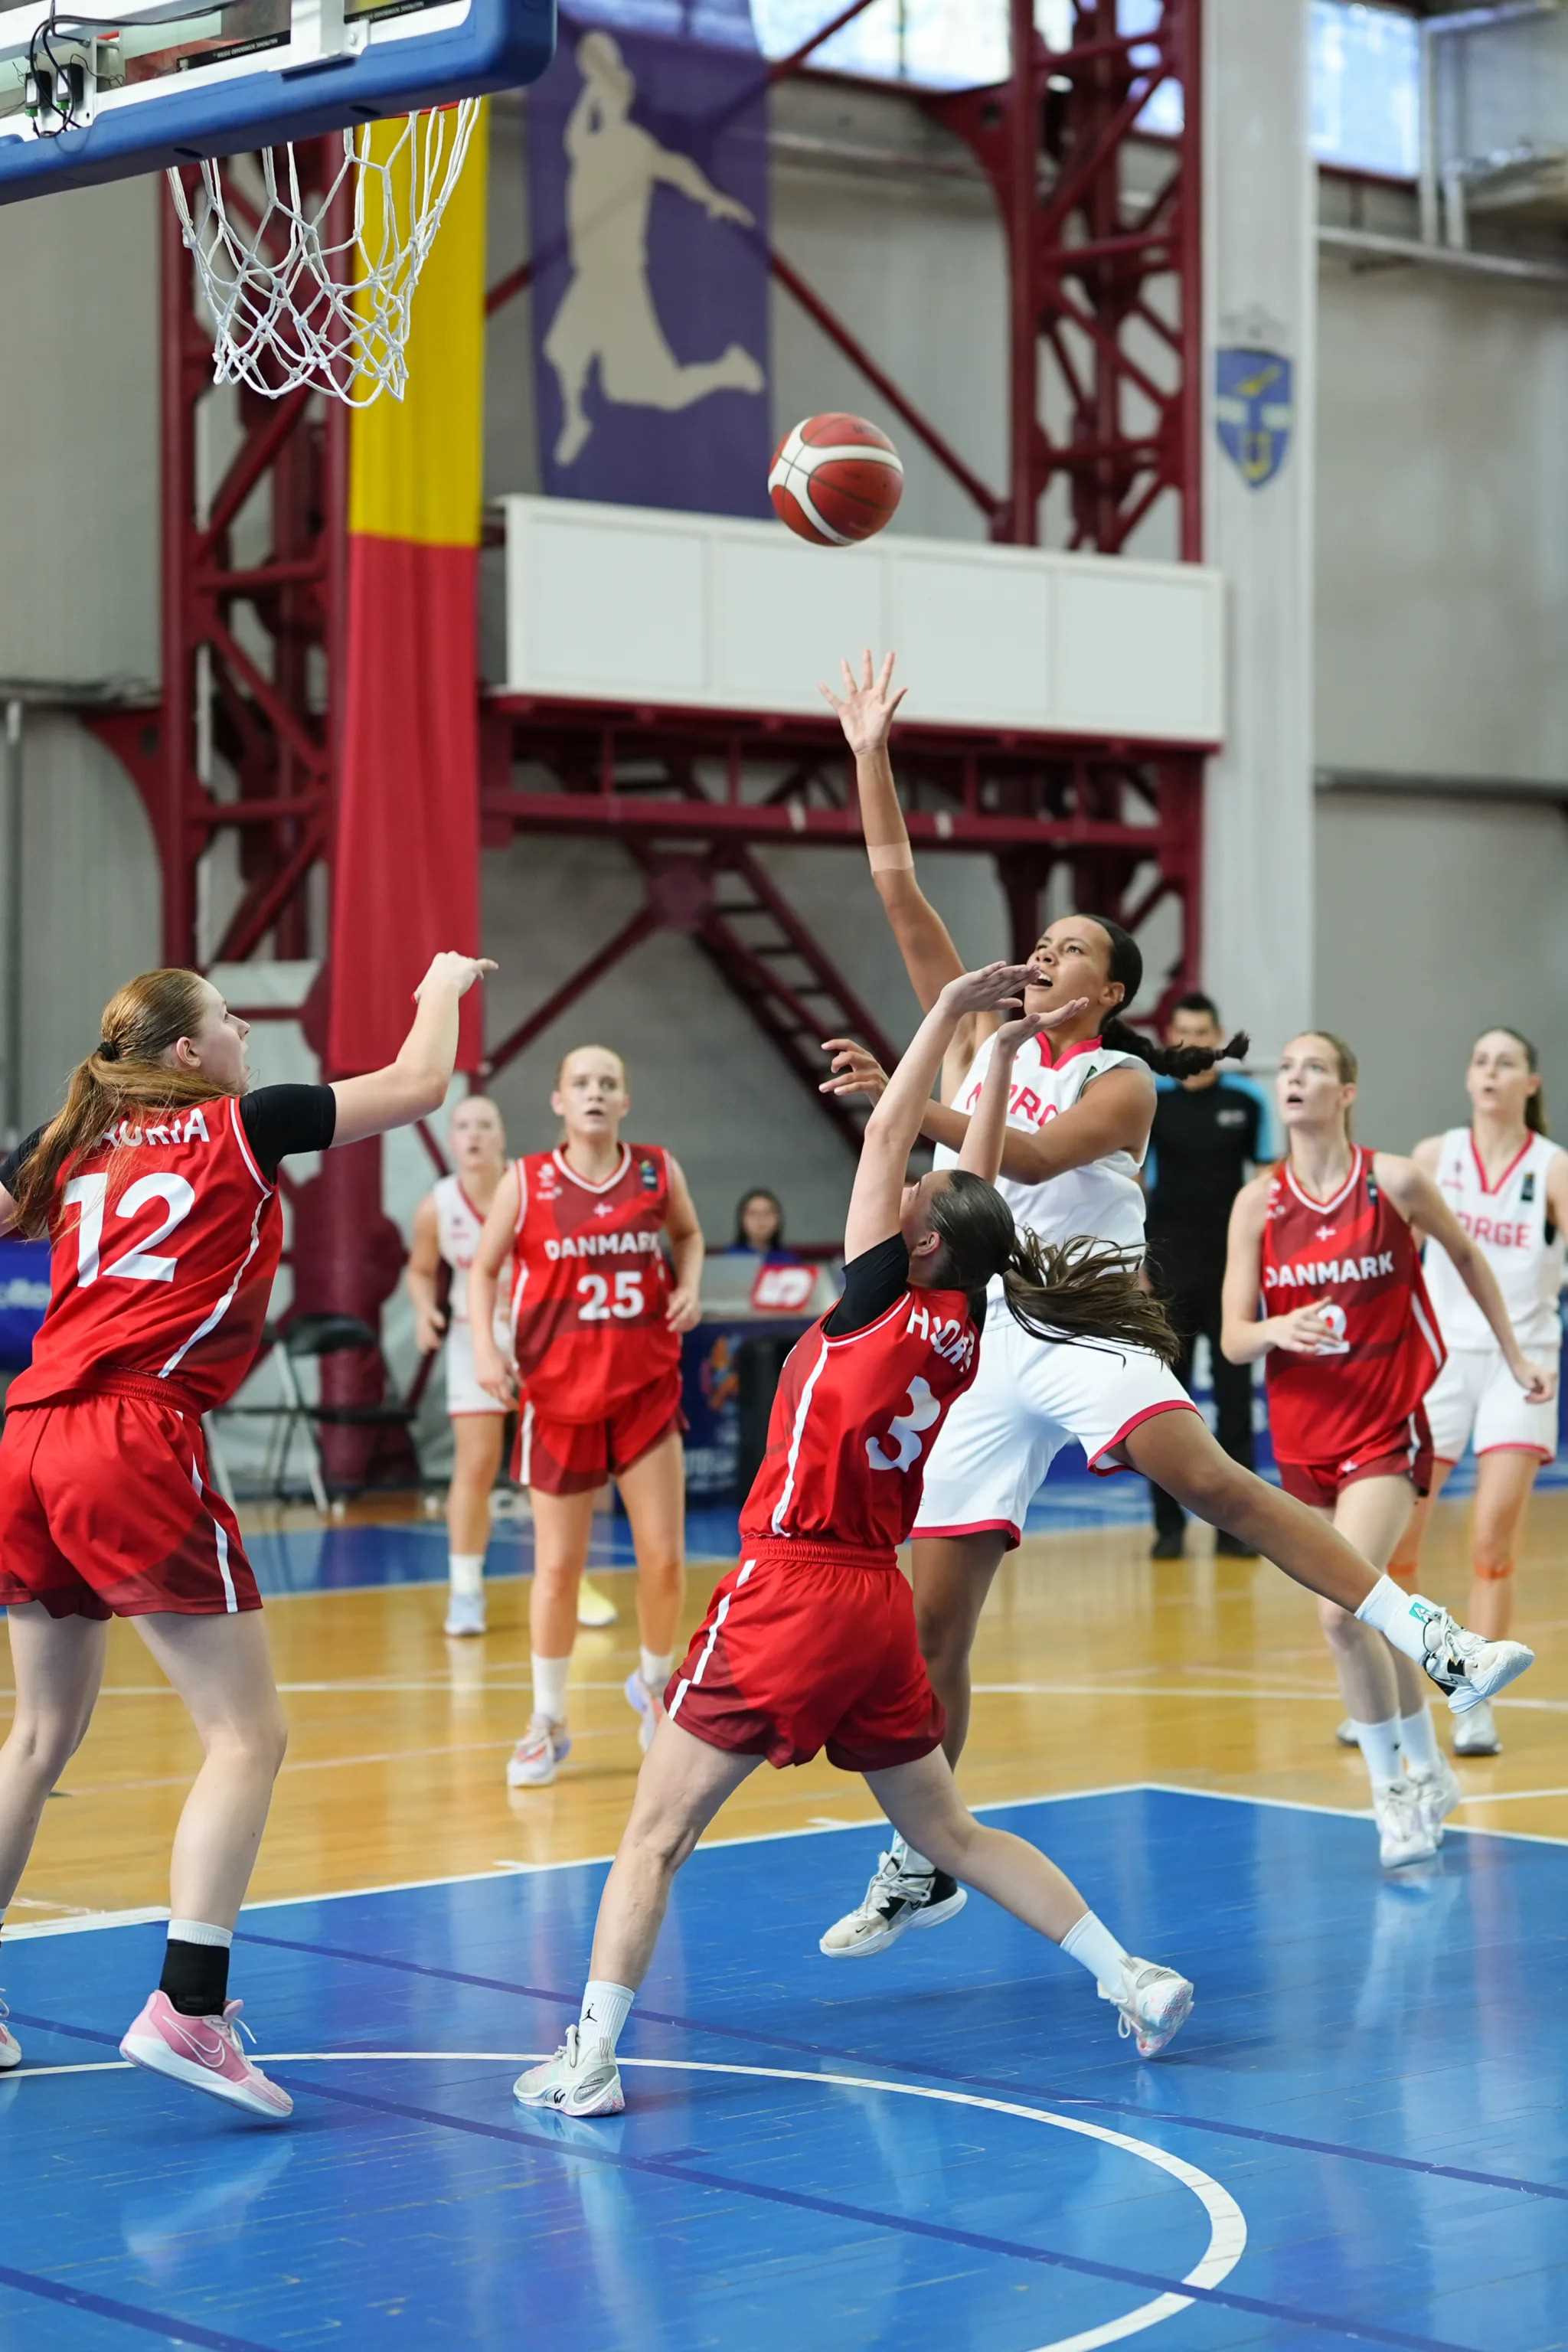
1253,410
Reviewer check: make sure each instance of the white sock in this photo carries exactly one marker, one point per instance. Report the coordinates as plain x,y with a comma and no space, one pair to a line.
1418,1742
1379,1745
1091,1944
549,1687
605,2009
918,1863
196,1931
1400,1617
656,1670
466,1571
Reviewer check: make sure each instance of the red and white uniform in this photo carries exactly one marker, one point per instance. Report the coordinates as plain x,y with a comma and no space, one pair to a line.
458,1224
1475,1398
1356,1413
599,1365
810,1641
1032,1397
163,1253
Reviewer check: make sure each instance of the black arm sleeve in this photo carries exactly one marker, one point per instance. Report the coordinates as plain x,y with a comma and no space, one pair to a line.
281,1119
11,1167
872,1283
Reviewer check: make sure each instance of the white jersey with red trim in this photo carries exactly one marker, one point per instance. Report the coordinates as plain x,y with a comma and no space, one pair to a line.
163,1247
458,1224
1103,1198
1511,1222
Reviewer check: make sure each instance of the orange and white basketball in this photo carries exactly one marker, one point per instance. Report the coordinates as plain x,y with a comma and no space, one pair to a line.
836,480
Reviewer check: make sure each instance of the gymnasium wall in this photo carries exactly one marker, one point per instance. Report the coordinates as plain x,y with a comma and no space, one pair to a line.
1443,598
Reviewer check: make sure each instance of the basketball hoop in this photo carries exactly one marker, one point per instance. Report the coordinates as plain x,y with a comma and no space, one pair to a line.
315,286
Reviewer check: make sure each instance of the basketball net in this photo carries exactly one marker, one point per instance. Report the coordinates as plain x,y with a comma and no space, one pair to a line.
314,286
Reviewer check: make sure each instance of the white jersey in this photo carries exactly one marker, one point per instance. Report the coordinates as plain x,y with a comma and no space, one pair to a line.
1104,1198
1511,1222
458,1225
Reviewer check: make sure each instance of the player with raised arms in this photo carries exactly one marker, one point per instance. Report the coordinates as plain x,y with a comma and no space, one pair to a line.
1323,1283
157,1186
447,1228
1507,1183
597,1314
809,1642
1079,1119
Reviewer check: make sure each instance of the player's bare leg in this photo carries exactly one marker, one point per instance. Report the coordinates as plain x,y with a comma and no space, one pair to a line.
222,1668
921,1801
952,1581
476,1450
57,1664
682,1785
562,1530
654,1492
1505,1479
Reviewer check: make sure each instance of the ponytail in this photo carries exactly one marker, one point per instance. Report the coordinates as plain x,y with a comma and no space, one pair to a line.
1170,1061
124,1078
1083,1291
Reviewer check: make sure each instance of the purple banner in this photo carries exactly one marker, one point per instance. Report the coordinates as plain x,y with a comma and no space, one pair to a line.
648,190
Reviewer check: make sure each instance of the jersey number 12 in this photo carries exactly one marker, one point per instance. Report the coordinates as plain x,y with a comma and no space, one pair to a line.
138,1264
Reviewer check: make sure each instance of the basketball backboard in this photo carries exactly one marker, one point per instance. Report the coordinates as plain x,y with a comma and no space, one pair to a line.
172,83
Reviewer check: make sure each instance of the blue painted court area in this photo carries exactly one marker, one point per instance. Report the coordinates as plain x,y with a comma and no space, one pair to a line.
1360,2137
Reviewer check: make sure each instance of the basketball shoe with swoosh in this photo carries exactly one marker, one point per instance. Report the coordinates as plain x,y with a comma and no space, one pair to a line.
205,2054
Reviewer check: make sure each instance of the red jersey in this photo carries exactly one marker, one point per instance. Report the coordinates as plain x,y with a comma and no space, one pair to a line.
854,1421
592,1283
1355,1257
164,1250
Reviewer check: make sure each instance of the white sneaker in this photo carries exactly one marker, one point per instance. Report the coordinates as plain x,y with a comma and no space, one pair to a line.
648,1705
542,1747
1153,2004
1404,1832
575,2082
10,2048
1344,1733
594,1608
1469,1669
1437,1794
897,1898
1476,1733
465,1614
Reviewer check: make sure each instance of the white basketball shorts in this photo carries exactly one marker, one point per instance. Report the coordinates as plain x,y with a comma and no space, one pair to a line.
1474,1399
464,1394
1030,1398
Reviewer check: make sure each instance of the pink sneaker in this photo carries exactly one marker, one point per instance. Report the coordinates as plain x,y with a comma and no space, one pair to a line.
10,2048
205,2053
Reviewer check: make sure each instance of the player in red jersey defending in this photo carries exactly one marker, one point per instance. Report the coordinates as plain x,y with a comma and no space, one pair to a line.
1328,1241
597,1319
157,1186
810,1641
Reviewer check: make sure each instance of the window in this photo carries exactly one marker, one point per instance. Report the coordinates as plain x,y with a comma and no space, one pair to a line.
1365,62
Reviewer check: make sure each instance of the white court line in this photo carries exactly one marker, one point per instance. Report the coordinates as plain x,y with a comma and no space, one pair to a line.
1228,2223
1512,1797
138,1917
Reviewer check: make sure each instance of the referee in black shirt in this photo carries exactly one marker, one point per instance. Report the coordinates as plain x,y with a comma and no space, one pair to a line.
1210,1133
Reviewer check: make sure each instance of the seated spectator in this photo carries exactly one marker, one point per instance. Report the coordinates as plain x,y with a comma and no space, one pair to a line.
760,1228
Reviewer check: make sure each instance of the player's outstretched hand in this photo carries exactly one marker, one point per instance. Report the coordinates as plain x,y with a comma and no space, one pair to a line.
854,1070
1538,1382
995,988
866,709
1013,1033
457,973
684,1311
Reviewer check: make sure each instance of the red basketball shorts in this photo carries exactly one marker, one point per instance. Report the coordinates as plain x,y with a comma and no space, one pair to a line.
575,1457
1402,1450
107,1510
803,1649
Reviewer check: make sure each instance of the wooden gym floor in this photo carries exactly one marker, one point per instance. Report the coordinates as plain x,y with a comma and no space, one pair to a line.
1095,1667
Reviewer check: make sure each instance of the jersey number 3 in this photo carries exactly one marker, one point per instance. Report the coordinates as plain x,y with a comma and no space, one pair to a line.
134,1265
907,1433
